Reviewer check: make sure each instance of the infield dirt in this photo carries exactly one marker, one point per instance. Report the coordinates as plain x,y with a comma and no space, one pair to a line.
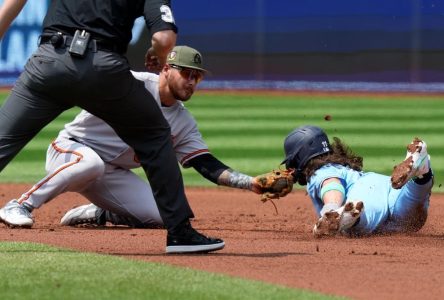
263,246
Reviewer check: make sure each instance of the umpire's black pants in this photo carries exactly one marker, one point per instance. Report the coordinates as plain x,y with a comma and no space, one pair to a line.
102,84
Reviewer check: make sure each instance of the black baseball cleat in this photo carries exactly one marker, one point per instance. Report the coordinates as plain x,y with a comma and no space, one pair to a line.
188,240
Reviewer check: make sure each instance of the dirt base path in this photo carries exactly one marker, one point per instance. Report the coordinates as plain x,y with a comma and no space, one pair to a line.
264,246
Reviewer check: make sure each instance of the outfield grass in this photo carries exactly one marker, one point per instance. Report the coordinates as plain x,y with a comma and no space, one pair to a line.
34,271
246,132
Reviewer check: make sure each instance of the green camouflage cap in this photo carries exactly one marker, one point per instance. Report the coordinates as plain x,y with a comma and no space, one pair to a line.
186,57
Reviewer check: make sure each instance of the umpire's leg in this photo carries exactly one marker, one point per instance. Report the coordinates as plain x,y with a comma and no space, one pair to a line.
22,116
124,103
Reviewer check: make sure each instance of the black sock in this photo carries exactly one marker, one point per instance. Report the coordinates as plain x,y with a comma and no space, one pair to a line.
425,178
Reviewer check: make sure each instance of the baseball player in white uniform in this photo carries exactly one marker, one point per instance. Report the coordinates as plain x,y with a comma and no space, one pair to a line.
88,157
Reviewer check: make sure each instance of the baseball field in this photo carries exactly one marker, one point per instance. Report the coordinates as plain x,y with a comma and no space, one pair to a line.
267,255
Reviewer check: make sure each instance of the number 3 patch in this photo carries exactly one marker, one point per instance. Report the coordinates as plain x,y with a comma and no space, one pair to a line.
167,14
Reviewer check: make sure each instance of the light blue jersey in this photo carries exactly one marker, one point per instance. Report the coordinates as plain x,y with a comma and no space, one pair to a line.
385,209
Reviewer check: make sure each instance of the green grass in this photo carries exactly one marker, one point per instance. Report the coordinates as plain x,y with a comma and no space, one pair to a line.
34,271
246,132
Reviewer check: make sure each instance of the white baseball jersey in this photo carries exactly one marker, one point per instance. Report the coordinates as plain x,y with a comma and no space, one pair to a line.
96,134
88,157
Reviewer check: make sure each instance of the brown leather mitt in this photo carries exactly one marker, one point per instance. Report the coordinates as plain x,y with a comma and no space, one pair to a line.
274,184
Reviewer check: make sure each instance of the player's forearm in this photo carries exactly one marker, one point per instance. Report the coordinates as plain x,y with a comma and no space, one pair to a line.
8,12
332,194
235,179
332,191
214,170
208,166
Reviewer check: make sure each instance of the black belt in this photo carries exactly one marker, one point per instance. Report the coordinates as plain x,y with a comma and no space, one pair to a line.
59,40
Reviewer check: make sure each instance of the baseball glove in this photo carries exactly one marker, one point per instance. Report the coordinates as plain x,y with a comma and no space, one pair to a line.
274,184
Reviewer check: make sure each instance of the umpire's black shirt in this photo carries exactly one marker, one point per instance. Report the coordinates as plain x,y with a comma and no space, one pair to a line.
110,20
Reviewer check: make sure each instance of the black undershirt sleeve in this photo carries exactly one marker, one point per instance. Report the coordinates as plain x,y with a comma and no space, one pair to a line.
208,166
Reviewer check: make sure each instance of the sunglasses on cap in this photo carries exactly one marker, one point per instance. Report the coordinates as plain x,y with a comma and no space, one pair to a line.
189,74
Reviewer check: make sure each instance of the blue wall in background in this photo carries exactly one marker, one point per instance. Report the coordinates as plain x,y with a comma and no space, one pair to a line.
315,40
326,26
21,40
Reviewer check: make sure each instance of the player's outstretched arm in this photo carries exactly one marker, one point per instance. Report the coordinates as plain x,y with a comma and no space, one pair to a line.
8,12
217,172
272,185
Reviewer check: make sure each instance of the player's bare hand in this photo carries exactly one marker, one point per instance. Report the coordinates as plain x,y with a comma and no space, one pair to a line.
153,62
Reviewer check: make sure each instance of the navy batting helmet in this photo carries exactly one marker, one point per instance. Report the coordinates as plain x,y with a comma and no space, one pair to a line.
302,144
